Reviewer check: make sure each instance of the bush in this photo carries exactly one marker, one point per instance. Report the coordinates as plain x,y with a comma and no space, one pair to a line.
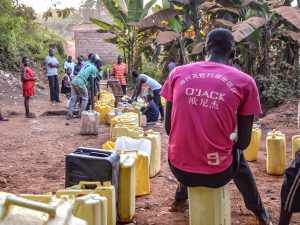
21,36
282,84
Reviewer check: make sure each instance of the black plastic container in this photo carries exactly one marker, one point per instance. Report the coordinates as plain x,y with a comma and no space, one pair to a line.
89,164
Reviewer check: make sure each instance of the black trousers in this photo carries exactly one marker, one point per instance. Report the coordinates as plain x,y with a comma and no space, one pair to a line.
157,101
239,171
54,88
124,89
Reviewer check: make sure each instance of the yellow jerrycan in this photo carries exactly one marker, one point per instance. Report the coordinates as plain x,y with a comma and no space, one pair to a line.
127,179
90,207
209,206
17,210
155,156
109,145
142,171
295,145
106,190
251,152
276,153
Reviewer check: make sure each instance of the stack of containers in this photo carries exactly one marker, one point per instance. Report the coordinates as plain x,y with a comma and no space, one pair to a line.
89,207
106,190
17,210
155,156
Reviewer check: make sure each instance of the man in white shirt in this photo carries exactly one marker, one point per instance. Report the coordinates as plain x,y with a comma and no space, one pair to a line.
52,74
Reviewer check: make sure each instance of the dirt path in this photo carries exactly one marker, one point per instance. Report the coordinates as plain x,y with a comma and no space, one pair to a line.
33,161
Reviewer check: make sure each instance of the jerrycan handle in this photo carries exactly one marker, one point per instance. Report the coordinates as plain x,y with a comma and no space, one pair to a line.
46,198
38,206
130,151
76,193
100,154
85,184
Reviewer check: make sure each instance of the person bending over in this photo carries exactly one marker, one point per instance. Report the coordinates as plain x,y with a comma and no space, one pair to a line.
80,87
153,85
205,102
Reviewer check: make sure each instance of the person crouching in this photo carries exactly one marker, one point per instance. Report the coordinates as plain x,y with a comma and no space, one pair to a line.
151,111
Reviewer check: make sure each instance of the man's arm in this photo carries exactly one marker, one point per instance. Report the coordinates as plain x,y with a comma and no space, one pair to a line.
137,89
146,109
168,117
24,76
244,131
91,79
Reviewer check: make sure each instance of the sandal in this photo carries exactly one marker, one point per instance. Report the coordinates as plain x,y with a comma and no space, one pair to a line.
3,119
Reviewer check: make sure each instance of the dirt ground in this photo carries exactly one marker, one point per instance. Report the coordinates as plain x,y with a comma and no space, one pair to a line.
33,159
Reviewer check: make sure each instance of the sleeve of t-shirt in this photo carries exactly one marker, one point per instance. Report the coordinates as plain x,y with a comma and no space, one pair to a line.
250,104
167,89
65,66
47,60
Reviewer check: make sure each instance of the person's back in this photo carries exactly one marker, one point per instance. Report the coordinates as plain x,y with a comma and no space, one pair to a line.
207,97
82,78
205,102
150,82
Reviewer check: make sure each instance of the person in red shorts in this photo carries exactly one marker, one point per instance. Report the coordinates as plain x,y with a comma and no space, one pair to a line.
206,101
28,80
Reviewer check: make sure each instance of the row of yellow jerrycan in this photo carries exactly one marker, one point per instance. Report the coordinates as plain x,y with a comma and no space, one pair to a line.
276,150
47,209
90,201
74,206
137,133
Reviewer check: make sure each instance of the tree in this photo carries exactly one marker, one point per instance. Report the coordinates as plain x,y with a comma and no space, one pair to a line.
132,27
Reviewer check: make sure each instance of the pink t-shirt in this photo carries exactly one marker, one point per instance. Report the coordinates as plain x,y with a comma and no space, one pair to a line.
206,98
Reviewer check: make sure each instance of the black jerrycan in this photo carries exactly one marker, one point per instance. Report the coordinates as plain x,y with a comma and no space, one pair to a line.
89,164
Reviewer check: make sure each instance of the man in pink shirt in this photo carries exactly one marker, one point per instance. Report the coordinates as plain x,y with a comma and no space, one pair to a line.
206,101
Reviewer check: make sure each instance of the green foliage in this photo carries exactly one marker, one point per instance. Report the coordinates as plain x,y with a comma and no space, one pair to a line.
21,36
282,84
153,71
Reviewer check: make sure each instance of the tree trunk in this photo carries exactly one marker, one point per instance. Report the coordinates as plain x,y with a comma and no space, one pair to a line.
264,63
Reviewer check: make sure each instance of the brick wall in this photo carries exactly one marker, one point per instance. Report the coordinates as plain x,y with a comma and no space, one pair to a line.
90,41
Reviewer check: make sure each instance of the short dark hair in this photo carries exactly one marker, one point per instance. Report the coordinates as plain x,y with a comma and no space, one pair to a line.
23,59
90,55
150,96
220,41
135,73
98,63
